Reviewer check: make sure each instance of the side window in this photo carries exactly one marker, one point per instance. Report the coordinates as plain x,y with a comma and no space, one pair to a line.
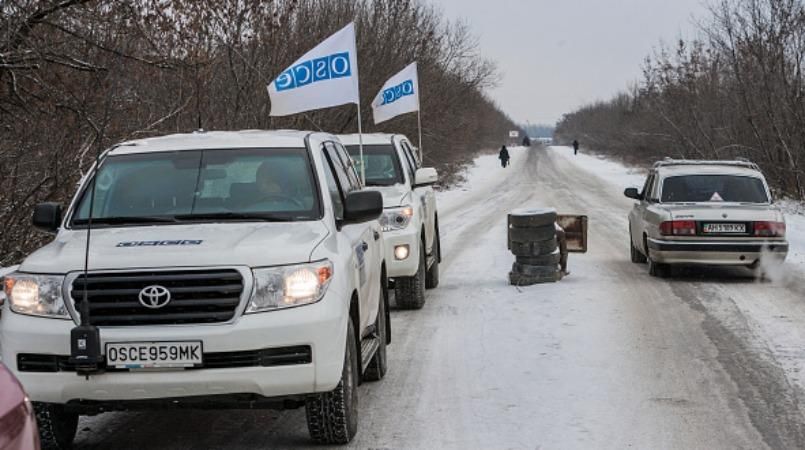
340,172
646,194
349,166
410,165
412,154
332,186
655,189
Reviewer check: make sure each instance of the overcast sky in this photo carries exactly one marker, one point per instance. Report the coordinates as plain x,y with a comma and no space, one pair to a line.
556,55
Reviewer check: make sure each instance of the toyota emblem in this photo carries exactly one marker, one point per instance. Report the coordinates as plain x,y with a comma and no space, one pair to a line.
155,297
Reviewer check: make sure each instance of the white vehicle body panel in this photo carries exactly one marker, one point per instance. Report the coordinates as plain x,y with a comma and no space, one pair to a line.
422,199
355,250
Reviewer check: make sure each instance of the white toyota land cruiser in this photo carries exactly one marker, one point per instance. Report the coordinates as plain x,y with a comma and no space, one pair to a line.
226,269
410,218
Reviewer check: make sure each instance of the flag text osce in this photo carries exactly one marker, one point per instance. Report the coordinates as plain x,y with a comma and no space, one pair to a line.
395,93
312,71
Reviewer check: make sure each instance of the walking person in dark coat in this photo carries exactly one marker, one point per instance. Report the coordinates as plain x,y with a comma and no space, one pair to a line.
575,147
504,156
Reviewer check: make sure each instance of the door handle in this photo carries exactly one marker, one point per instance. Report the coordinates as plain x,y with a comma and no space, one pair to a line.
376,234
364,246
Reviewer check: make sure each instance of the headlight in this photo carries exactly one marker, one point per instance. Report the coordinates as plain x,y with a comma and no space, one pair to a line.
396,218
36,295
286,286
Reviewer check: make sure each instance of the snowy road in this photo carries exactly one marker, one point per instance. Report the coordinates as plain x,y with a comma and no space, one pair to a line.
607,358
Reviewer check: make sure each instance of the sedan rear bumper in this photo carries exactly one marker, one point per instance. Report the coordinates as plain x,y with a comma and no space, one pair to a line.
736,253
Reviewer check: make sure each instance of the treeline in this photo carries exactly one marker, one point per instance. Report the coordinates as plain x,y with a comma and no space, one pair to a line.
735,92
77,76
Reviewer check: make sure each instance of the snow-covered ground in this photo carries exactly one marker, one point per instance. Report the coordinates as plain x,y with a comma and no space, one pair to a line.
607,358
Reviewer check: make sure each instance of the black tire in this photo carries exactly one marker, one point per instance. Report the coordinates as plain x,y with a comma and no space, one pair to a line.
379,364
637,257
432,275
410,291
535,217
57,428
332,417
518,279
534,248
551,259
658,270
534,271
534,234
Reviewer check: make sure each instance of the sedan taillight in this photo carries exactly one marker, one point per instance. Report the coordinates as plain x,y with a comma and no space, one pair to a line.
770,229
678,228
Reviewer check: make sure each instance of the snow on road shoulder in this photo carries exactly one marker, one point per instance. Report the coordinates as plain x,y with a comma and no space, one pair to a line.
603,168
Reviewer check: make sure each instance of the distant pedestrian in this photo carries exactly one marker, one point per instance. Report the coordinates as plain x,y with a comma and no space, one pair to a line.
575,147
504,156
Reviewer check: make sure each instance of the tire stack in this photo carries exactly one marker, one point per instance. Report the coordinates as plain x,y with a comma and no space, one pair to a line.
532,240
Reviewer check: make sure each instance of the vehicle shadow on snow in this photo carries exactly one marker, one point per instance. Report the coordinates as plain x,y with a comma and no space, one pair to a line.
725,275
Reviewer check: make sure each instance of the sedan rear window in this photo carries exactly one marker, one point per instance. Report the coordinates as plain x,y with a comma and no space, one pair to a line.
713,188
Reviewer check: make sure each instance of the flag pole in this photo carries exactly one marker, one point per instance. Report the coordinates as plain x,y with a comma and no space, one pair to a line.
360,145
419,127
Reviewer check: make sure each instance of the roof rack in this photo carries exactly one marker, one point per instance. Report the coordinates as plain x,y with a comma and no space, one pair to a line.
737,162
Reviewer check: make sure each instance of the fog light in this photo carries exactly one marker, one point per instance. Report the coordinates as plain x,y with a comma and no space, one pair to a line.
401,252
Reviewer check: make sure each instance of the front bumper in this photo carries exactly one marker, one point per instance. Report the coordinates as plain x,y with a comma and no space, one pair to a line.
408,266
321,327
721,253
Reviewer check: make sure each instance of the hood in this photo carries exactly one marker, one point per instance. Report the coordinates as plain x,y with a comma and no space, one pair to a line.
718,211
251,244
396,195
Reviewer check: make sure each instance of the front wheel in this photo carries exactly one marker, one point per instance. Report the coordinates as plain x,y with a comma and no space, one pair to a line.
410,291
57,428
332,417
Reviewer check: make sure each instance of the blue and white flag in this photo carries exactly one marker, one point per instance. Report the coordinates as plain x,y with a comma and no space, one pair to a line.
325,76
399,95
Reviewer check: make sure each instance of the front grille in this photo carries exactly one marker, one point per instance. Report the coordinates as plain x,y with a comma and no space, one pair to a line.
269,357
201,296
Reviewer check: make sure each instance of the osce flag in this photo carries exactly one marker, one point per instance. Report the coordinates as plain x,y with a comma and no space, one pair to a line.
399,95
325,76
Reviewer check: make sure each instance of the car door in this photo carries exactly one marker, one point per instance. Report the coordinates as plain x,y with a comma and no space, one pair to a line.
364,237
426,198
638,214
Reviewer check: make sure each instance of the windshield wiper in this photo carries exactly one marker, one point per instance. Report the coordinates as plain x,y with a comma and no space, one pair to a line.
122,220
235,216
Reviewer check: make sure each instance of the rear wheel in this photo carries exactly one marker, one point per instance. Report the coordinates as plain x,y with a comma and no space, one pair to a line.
332,417
379,363
57,428
637,257
410,291
656,269
432,276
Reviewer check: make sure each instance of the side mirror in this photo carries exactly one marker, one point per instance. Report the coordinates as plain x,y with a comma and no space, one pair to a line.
425,176
633,193
47,217
362,206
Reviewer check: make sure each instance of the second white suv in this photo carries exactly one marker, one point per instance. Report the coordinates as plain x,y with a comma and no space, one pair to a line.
232,269
410,219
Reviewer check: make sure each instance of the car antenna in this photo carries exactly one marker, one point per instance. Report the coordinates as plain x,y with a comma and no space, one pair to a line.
85,339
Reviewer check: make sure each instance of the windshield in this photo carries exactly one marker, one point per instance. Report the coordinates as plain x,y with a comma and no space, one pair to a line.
714,188
382,165
235,184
